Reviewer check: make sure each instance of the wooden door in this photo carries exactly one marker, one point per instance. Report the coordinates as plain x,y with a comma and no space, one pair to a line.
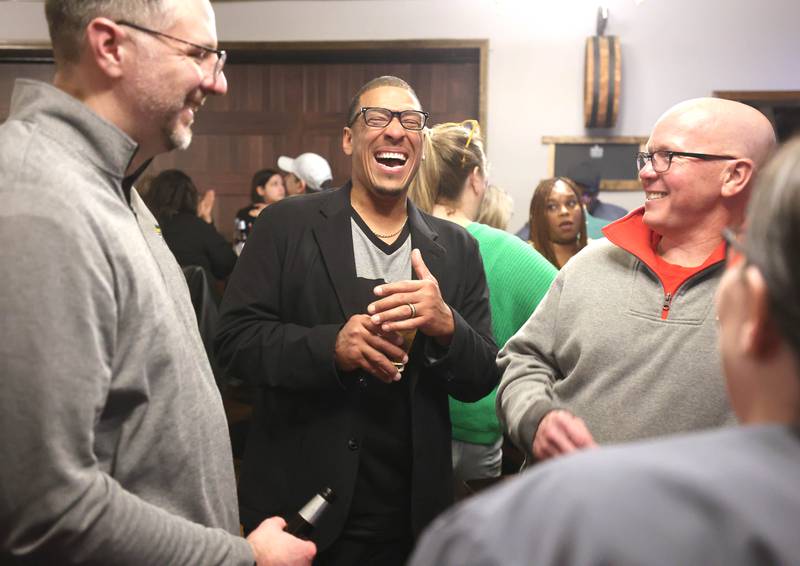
289,99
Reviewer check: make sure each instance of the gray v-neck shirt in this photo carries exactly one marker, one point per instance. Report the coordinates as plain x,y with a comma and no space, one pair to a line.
378,260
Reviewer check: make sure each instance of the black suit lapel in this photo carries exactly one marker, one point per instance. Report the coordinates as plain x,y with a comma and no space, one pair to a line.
335,240
424,238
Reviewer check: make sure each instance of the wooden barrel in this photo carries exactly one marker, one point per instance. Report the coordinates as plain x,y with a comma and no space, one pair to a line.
602,77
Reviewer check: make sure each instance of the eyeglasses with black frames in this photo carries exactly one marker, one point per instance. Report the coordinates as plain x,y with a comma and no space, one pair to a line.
376,117
204,52
662,159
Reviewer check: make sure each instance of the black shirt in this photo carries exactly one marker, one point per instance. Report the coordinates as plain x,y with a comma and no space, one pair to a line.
195,242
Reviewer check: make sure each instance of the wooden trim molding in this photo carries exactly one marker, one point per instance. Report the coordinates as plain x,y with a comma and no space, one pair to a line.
320,51
641,140
39,52
620,185
605,184
759,95
483,98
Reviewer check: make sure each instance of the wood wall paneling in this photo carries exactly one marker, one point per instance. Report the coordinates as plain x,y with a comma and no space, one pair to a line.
288,99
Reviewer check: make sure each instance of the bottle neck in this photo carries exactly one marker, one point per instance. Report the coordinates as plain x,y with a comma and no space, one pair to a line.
312,510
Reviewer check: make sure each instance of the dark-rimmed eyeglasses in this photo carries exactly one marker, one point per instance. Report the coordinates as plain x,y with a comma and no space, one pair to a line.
207,51
662,159
376,117
734,249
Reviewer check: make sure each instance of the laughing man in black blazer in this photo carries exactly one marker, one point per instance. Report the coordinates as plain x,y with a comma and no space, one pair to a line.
313,316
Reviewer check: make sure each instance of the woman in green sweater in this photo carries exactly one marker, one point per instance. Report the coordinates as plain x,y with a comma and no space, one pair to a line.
451,184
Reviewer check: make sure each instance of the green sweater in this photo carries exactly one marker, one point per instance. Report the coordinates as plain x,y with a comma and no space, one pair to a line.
518,278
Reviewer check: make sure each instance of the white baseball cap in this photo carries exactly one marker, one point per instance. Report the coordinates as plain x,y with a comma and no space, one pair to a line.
309,167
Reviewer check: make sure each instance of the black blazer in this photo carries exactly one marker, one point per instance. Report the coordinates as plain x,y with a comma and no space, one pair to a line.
290,294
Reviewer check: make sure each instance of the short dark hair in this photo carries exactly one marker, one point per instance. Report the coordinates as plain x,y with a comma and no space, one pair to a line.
170,192
67,20
260,179
540,225
377,82
772,236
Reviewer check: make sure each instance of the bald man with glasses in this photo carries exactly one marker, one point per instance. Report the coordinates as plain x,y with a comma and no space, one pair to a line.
726,496
624,345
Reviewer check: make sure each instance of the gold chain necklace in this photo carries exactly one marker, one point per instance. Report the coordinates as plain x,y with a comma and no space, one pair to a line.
382,236
387,236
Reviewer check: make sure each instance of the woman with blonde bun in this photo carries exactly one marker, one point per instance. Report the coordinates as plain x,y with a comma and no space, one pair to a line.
451,184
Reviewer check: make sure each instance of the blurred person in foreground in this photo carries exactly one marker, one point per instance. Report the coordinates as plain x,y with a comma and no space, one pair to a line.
114,440
314,316
723,497
557,220
623,346
452,182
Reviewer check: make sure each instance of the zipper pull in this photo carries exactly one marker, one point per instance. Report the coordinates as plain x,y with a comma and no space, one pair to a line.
665,306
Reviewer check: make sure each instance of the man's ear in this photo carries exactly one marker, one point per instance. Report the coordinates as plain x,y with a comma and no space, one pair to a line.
103,42
347,141
736,177
759,338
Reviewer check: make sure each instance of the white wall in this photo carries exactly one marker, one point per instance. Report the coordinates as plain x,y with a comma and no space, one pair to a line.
672,50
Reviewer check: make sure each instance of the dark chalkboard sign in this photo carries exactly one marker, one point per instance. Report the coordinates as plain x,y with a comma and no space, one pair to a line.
611,161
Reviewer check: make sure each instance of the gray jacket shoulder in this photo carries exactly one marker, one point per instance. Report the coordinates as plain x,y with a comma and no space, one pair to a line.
632,505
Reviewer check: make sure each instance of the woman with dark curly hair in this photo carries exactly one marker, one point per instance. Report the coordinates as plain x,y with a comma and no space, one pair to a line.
186,224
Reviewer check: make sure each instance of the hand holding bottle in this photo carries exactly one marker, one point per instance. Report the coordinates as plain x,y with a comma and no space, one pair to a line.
305,520
239,235
272,546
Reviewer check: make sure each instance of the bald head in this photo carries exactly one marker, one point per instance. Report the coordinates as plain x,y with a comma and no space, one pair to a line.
715,148
722,126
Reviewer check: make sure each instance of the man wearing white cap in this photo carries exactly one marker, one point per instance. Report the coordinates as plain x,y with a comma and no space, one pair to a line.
307,172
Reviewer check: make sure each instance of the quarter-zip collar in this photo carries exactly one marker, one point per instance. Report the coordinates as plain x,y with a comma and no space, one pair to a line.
77,128
632,235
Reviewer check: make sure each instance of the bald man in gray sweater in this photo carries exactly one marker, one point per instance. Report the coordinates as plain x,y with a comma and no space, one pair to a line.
623,346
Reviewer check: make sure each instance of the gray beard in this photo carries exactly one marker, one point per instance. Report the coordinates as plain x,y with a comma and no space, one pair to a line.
177,137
